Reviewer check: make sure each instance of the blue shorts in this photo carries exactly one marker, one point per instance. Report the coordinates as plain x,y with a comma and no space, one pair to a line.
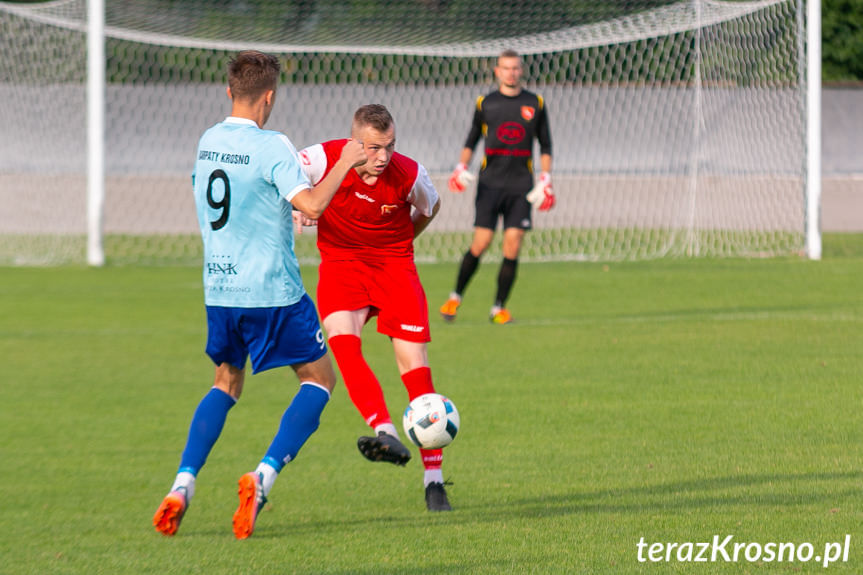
270,337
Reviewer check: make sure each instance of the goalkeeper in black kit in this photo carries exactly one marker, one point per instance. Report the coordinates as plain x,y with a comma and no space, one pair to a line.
509,119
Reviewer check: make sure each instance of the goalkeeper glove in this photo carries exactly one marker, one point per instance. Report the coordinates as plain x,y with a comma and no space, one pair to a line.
460,179
542,196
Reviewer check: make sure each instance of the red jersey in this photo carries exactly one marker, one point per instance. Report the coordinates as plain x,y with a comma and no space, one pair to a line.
369,222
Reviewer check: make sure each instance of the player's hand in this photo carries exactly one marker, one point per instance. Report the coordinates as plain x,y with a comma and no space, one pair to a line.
542,196
460,179
300,220
354,153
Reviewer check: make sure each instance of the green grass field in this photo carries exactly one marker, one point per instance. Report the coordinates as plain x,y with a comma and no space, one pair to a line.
674,400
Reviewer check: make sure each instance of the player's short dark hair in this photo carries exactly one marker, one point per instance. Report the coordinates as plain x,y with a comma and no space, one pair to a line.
251,73
374,115
509,54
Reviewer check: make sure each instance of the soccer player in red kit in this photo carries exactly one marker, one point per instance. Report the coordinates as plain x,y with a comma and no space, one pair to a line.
365,237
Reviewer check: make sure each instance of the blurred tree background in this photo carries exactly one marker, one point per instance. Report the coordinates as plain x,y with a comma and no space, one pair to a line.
452,20
842,40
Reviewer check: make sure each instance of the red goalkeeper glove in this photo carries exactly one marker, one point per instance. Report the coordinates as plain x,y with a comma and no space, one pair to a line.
460,179
542,196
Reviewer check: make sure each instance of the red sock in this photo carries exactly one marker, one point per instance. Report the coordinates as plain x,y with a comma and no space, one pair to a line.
362,385
432,458
419,381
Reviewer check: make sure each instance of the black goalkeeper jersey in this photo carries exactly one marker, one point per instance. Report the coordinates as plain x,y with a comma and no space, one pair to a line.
509,126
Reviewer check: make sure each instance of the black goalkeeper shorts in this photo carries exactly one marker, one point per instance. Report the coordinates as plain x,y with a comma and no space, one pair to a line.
492,204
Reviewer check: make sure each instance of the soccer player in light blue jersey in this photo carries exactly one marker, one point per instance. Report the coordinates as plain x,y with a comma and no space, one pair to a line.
247,182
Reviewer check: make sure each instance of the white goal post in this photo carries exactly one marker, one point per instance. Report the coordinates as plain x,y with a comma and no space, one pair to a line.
95,131
813,130
680,127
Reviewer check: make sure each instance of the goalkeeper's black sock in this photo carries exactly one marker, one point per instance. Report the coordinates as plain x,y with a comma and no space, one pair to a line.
505,279
469,264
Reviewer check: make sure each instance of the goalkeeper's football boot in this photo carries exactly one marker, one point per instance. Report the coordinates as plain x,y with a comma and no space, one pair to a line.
384,447
448,310
252,500
436,499
170,513
500,315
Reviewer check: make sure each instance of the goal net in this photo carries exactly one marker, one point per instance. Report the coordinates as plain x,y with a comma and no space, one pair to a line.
679,127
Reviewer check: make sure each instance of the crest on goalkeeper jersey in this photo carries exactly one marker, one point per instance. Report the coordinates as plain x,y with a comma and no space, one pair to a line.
528,112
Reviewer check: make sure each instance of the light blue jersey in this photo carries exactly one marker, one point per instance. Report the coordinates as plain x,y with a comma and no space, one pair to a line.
244,179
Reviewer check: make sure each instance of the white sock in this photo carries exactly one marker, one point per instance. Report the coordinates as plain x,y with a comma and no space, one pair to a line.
387,428
432,476
455,296
185,481
268,476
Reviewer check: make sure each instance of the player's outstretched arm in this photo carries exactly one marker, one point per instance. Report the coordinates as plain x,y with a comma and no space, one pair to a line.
312,202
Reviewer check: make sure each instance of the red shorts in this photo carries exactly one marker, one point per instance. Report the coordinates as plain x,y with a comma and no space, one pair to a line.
391,288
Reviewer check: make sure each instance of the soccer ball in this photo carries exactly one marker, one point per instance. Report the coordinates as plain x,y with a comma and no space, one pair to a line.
431,421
